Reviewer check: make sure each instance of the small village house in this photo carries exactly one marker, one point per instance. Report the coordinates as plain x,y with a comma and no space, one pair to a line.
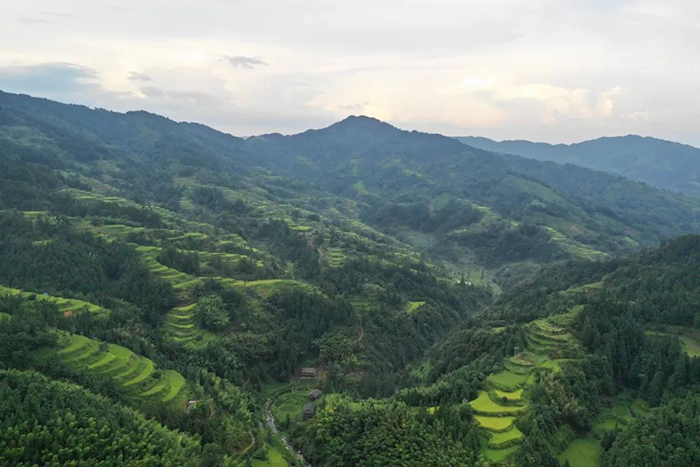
308,411
308,373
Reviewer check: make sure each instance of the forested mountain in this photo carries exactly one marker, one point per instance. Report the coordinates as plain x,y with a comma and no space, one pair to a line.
163,277
662,164
486,216
476,208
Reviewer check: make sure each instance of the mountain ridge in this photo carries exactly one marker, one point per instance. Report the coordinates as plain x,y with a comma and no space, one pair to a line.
661,163
455,202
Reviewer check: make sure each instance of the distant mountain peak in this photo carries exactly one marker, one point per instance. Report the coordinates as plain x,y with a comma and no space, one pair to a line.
363,122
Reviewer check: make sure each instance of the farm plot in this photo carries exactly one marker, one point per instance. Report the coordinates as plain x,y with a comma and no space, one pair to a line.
67,306
483,404
582,453
181,327
506,394
137,375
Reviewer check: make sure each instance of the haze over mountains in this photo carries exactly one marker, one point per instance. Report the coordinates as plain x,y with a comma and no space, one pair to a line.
660,163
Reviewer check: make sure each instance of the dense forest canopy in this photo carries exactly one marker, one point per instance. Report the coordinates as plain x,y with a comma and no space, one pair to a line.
171,295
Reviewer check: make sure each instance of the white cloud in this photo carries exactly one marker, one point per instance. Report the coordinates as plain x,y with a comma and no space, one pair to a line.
557,70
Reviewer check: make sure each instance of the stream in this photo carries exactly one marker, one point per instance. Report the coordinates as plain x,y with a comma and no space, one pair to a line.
270,420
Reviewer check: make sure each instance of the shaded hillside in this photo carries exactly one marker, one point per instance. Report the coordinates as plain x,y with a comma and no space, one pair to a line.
662,164
472,205
594,363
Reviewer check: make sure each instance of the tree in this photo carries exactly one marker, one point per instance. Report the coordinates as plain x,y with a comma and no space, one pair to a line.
212,313
334,348
536,451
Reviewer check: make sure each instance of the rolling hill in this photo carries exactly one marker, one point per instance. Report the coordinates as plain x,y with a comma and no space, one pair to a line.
662,164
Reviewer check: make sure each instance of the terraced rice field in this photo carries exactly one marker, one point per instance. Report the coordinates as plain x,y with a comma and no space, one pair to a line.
497,455
505,437
506,393
267,287
336,257
173,276
495,424
483,404
181,327
512,396
136,374
507,380
67,306
622,411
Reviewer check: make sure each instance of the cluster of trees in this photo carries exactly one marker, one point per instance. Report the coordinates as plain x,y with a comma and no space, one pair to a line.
347,434
184,261
289,246
212,313
666,436
55,423
499,244
572,396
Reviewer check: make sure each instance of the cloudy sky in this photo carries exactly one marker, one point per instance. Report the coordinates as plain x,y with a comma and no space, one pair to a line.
546,70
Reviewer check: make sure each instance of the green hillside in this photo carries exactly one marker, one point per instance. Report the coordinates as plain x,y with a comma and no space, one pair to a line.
487,217
205,284
662,164
476,210
83,425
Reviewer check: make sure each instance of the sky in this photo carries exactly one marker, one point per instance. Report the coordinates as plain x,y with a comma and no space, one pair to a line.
543,70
